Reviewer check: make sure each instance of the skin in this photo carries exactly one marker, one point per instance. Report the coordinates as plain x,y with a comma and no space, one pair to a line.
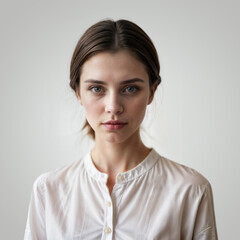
115,86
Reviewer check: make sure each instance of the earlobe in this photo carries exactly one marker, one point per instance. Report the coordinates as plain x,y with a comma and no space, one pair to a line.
150,99
80,101
78,97
152,91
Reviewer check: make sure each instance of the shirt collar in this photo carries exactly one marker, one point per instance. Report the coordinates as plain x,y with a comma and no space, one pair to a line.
124,177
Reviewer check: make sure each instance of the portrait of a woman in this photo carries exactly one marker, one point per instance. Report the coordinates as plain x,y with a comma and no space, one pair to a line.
121,189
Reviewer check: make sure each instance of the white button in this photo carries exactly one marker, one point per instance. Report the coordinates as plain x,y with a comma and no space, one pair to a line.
109,204
108,230
120,178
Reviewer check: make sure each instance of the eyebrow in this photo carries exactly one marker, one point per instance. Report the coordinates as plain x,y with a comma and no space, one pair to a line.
128,81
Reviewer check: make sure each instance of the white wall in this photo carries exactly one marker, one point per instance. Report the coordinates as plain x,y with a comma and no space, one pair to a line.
194,119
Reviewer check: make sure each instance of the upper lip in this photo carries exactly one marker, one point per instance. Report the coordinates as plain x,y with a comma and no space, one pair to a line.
114,122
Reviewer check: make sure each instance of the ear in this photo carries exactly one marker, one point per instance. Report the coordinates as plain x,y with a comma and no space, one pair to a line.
78,95
152,93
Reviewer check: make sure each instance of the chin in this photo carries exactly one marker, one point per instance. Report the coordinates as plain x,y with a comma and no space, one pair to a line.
119,136
114,138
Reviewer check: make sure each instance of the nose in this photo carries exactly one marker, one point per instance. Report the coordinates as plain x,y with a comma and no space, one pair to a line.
113,104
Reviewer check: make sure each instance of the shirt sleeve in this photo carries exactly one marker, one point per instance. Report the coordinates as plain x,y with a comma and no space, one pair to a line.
205,224
35,227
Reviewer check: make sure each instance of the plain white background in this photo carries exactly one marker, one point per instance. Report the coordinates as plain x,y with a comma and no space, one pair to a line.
194,119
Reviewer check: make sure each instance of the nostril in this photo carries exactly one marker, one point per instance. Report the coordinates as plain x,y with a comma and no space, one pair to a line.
114,109
113,103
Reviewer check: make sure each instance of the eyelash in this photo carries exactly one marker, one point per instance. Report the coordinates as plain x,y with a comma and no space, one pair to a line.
94,87
136,89
91,88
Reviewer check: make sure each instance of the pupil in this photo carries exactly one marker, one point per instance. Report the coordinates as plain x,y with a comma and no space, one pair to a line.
97,89
131,89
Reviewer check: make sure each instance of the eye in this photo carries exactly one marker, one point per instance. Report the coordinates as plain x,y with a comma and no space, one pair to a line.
96,89
131,89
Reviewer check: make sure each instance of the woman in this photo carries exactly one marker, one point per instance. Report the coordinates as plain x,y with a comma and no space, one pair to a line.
121,189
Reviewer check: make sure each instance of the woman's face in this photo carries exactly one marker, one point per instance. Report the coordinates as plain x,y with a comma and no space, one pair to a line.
114,91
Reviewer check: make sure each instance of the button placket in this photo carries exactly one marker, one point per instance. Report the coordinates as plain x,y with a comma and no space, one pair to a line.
108,225
109,207
108,230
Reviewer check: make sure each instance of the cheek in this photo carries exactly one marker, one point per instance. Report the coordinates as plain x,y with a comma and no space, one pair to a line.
138,108
92,107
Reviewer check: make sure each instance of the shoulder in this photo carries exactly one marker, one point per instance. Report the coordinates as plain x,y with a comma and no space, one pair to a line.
179,174
61,176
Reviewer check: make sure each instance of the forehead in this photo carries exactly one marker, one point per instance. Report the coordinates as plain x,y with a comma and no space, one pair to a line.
119,65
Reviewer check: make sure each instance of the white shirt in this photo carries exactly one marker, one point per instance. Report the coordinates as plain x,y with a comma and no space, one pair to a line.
157,200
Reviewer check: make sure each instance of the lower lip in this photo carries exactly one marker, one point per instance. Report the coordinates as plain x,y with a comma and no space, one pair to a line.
114,126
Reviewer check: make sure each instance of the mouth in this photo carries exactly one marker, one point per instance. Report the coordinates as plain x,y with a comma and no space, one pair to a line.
114,124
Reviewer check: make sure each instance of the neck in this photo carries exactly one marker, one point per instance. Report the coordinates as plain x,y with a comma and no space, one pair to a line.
113,158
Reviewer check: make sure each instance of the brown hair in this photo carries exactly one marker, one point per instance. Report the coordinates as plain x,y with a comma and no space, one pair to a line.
109,35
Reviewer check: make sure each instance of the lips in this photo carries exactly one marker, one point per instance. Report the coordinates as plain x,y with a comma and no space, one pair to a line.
114,124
